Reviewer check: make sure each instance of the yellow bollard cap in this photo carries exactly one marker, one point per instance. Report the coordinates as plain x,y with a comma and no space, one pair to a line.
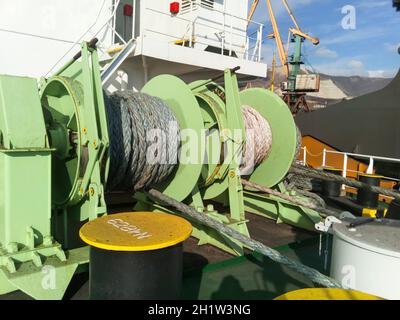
135,231
327,294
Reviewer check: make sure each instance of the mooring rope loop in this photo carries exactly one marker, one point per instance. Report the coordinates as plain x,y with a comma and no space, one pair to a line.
312,274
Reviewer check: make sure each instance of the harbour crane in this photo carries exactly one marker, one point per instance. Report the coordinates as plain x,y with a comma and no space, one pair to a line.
396,4
296,87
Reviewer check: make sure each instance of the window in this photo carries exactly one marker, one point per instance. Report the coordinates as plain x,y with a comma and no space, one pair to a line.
207,4
186,5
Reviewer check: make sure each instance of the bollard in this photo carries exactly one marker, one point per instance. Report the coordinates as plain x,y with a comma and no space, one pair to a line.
136,256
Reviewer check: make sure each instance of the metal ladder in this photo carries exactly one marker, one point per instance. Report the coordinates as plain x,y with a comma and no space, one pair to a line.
116,62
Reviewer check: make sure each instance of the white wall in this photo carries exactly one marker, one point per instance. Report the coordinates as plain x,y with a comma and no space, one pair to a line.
156,21
27,25
159,24
35,34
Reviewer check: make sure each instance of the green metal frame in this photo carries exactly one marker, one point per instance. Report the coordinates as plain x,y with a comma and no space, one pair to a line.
26,242
39,222
282,211
220,182
86,201
224,113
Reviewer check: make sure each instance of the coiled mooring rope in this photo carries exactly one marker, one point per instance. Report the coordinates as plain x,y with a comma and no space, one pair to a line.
144,140
258,139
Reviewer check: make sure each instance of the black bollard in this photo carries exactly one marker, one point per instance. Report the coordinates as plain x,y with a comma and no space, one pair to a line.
366,197
331,188
136,256
394,210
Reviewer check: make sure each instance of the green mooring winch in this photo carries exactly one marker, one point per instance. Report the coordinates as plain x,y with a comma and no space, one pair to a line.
54,163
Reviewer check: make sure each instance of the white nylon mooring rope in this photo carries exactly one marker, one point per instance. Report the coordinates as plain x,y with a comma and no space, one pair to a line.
258,139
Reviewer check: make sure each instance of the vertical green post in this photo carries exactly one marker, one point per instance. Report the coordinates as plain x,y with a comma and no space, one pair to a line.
25,166
295,62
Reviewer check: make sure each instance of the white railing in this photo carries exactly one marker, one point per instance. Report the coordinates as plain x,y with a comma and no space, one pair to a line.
246,46
112,22
346,156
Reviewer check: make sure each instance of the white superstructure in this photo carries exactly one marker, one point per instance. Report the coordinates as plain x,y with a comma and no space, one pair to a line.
193,42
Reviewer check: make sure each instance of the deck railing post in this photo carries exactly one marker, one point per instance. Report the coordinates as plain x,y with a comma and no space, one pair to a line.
324,158
260,42
247,48
344,173
231,37
370,169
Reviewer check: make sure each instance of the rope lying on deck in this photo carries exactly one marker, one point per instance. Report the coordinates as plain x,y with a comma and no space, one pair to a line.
274,255
299,182
313,197
318,174
291,199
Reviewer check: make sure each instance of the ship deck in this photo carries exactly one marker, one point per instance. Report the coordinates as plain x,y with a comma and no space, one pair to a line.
210,273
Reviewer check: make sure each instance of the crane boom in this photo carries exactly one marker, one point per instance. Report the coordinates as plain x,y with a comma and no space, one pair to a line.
252,10
295,31
315,41
289,11
294,90
278,39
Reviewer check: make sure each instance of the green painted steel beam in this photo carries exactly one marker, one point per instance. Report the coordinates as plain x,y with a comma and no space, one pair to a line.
21,120
53,169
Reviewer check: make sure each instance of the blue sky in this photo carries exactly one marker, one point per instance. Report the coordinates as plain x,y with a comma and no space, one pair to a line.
368,50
